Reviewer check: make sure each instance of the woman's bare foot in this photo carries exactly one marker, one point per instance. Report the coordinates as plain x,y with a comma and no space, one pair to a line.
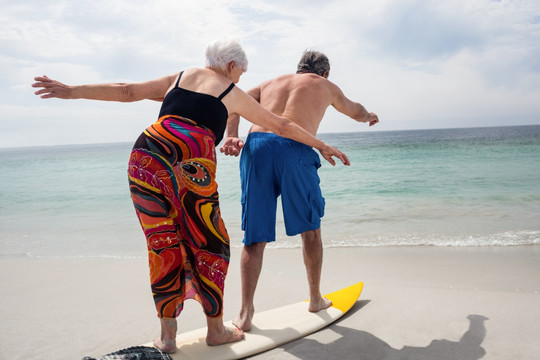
167,346
243,321
167,342
321,304
219,334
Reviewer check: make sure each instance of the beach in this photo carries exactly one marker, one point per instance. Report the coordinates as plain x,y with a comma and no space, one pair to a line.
441,225
419,302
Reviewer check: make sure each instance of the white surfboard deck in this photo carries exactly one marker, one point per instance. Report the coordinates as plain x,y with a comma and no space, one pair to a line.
270,329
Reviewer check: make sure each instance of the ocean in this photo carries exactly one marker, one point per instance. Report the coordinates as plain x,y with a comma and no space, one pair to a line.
443,187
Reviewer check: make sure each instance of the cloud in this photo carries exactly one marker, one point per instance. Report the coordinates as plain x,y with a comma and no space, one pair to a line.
417,63
420,30
494,37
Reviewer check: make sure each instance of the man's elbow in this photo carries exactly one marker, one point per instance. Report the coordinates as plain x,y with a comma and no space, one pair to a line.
361,114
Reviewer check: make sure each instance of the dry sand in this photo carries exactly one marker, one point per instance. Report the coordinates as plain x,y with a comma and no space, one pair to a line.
417,303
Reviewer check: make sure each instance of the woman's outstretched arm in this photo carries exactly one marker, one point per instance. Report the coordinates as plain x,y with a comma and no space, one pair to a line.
122,92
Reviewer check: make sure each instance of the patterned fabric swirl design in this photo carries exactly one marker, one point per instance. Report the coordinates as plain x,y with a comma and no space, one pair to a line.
172,171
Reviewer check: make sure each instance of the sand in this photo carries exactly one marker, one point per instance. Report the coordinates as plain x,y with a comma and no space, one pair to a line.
417,303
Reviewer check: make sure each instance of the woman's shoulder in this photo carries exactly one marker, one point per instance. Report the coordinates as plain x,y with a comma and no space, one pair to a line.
200,76
194,71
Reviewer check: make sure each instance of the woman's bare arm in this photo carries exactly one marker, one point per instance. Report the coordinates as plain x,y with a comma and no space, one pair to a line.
244,105
122,92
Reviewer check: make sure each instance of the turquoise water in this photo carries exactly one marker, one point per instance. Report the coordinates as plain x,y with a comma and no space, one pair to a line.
453,187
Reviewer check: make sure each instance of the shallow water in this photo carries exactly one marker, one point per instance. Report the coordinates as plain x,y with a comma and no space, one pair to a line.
449,187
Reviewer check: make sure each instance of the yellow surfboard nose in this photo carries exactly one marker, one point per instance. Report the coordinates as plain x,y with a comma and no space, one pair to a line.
345,298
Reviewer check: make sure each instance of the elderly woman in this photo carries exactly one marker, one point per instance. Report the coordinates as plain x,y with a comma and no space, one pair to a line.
172,171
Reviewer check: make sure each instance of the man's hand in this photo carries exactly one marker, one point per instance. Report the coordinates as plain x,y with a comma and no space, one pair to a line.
232,146
329,151
372,119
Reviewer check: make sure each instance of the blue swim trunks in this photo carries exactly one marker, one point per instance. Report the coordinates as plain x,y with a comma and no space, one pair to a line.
271,166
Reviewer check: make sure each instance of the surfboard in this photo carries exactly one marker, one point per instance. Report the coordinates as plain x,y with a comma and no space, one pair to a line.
270,329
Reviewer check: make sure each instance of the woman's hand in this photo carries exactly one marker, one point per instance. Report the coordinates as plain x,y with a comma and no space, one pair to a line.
51,88
328,152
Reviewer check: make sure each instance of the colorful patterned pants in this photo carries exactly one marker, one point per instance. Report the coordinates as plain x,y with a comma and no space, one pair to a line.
172,172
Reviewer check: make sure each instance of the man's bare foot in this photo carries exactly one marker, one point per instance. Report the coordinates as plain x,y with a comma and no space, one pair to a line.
167,346
225,336
243,321
321,304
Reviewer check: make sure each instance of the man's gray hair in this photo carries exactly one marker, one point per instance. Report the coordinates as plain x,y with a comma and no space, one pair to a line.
221,52
313,62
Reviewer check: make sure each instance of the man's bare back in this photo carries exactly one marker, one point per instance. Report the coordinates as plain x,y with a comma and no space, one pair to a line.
303,98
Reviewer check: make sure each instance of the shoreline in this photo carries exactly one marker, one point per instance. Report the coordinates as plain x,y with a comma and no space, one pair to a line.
277,246
416,301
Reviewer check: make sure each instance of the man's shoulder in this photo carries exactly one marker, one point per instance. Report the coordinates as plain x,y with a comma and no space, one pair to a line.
314,81
281,78
277,81
298,82
307,77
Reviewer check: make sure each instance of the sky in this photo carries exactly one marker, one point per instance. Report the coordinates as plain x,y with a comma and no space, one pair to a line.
418,64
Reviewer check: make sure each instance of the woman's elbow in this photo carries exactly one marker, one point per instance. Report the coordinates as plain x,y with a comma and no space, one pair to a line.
127,93
282,127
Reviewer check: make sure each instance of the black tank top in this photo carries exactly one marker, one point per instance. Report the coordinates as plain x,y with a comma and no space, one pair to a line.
204,109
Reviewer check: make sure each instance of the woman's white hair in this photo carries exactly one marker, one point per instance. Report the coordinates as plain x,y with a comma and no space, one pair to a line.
221,52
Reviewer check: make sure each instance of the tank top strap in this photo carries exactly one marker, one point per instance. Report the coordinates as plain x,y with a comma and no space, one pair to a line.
178,81
226,91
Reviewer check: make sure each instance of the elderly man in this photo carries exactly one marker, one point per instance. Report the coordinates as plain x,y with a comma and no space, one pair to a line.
271,166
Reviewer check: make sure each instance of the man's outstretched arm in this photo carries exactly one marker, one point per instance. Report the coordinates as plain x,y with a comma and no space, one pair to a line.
350,108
